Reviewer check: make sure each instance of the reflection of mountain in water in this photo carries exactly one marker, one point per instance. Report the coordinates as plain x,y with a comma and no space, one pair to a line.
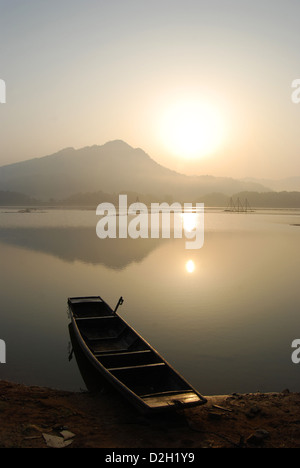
81,244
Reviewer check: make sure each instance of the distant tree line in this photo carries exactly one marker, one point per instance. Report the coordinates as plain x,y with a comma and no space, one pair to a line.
15,198
270,199
254,199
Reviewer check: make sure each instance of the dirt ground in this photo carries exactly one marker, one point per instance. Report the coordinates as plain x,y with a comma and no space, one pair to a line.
34,417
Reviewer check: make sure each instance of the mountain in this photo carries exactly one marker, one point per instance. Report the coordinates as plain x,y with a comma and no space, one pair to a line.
114,167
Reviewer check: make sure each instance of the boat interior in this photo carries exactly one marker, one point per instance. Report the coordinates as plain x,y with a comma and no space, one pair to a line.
124,354
90,308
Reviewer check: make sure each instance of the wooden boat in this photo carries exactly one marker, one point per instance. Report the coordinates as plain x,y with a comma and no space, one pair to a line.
127,361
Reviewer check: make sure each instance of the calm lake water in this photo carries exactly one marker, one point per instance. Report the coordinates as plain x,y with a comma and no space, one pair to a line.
224,315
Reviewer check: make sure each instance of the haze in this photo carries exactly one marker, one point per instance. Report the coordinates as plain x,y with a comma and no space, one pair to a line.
81,73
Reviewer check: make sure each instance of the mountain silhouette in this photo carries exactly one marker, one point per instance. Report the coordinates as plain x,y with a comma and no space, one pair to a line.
114,167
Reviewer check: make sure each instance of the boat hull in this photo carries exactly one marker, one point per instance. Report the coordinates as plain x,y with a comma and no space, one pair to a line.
126,360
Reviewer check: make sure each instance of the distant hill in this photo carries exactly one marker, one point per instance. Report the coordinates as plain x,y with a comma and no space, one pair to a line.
288,184
114,167
15,198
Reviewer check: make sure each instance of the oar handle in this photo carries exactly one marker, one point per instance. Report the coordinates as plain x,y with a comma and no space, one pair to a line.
120,302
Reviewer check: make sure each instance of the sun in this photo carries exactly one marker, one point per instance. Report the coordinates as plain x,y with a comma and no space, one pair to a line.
192,128
190,266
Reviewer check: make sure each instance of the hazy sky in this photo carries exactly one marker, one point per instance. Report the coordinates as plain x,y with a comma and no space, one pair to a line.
83,72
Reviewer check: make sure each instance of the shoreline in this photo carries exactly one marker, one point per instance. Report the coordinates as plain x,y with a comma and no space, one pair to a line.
38,417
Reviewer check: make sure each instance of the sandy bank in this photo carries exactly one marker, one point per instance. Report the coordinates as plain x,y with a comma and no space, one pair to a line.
29,414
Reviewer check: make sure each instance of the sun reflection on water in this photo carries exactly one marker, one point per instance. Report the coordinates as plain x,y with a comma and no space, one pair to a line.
189,221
